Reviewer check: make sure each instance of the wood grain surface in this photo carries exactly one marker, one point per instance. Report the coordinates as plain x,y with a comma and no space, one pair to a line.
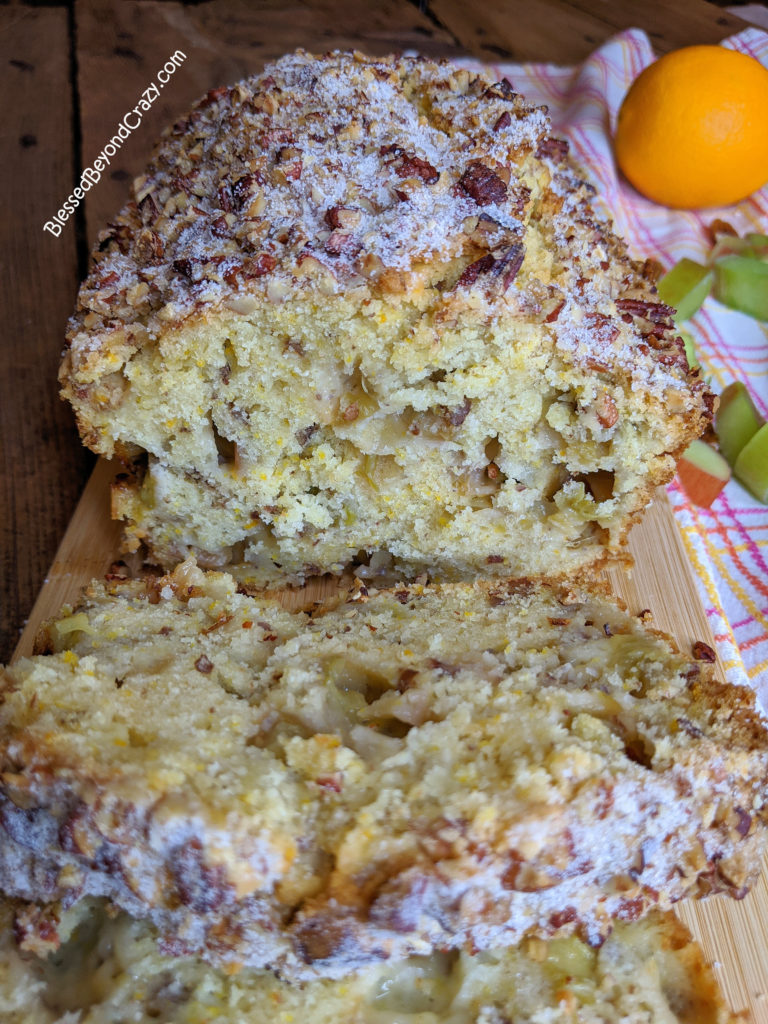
550,31
43,464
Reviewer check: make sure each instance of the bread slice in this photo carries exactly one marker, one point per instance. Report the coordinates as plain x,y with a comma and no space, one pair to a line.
363,310
416,769
110,970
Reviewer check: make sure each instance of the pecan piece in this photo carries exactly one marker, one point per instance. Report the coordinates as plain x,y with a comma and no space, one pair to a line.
554,313
408,165
339,242
258,267
744,821
703,652
658,312
471,272
242,189
149,247
457,416
504,266
220,228
213,96
602,326
344,217
502,90
482,184
555,149
148,209
605,409
507,265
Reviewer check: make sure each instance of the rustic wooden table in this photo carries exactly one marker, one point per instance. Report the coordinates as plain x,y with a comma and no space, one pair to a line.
72,70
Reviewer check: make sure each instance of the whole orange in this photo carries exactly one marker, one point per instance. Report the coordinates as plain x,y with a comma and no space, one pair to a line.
693,128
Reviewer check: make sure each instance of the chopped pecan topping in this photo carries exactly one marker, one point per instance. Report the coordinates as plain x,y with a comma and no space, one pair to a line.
148,209
504,266
243,189
185,267
503,121
213,96
345,217
471,272
554,313
658,312
257,267
225,198
408,165
220,228
554,149
339,242
290,164
563,917
604,325
201,887
508,264
149,247
502,90
482,184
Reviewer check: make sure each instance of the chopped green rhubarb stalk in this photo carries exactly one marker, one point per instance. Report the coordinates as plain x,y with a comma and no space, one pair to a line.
753,245
690,349
736,421
752,465
703,473
685,287
741,282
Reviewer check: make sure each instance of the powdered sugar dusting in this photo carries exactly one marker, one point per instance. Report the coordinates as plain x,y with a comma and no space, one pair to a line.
340,168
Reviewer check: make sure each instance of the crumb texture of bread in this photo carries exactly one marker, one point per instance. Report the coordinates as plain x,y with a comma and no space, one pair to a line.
415,769
363,310
109,970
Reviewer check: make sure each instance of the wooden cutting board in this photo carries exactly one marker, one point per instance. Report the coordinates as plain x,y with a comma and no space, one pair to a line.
734,935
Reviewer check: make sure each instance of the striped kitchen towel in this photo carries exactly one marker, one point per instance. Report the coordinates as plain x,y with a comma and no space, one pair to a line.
727,543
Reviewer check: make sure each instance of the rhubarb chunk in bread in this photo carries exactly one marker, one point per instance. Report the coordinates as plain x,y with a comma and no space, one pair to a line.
418,768
109,969
364,310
